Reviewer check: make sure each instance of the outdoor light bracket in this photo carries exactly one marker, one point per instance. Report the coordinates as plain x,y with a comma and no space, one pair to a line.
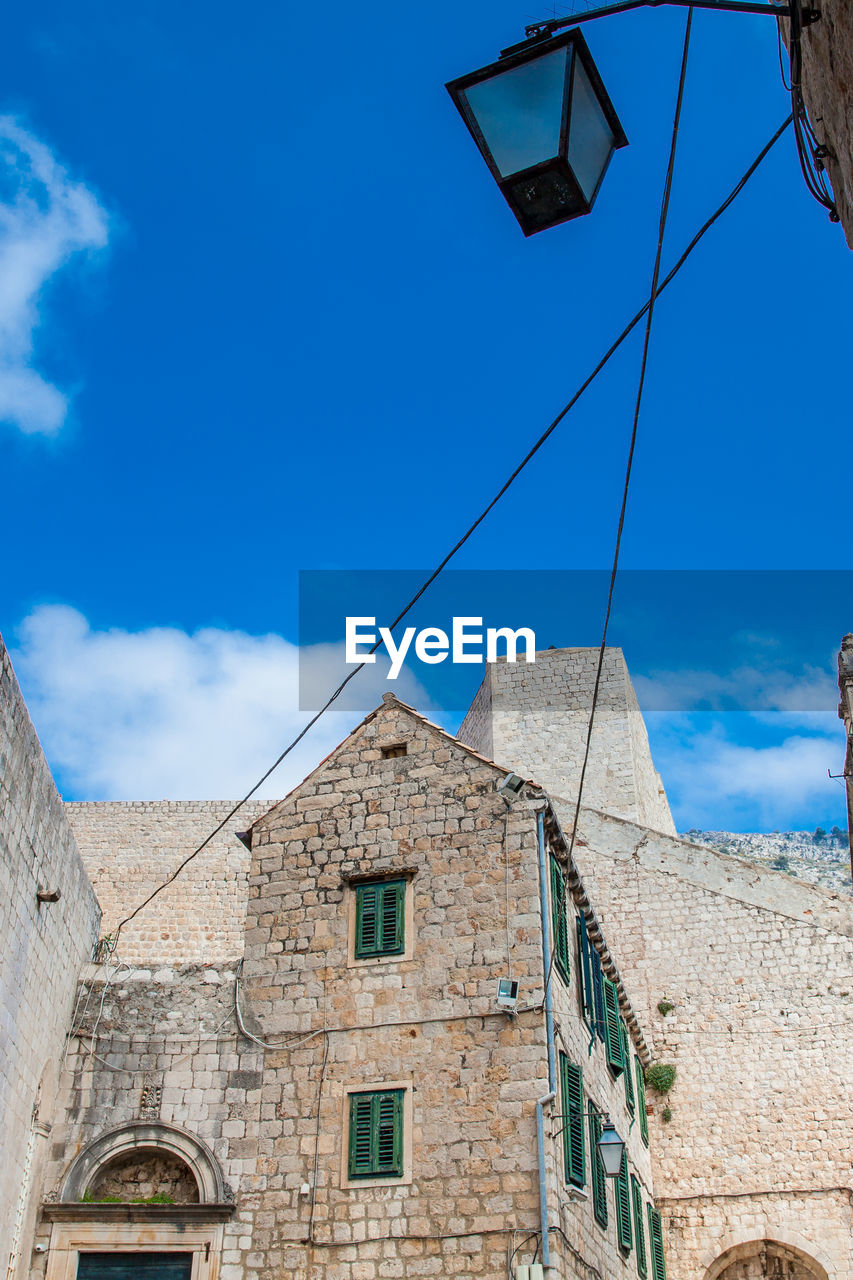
541,30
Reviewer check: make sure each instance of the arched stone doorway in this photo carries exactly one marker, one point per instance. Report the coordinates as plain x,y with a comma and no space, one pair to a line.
765,1260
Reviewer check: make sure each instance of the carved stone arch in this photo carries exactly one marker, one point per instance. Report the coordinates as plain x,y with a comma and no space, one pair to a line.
804,1260
146,1136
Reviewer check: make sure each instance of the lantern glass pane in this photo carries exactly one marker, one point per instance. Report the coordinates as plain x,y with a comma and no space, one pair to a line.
590,136
520,112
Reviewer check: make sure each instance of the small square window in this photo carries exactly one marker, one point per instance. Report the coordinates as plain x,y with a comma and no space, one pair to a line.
376,1134
394,751
380,918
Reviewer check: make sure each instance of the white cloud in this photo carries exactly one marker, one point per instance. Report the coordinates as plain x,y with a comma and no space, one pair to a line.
716,782
161,713
749,687
45,218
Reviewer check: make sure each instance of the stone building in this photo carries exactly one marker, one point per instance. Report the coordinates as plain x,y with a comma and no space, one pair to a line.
296,1064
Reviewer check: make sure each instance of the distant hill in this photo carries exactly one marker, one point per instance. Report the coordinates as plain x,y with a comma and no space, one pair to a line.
819,857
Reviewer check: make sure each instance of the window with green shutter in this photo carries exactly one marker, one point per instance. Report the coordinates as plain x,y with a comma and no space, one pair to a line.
622,1192
612,1027
571,1094
376,1134
627,1075
641,1099
639,1228
585,968
559,919
598,1176
597,992
656,1245
380,918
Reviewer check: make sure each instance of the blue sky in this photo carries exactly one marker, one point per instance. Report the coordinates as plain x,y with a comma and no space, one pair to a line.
265,311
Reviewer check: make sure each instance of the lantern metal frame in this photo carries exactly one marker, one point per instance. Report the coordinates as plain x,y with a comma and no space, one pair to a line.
606,1123
518,56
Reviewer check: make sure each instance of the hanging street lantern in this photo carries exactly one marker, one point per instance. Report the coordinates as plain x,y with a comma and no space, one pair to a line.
610,1148
545,126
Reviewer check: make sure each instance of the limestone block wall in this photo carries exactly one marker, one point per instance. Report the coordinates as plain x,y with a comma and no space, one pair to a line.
759,970
43,948
157,1045
426,1022
533,717
129,847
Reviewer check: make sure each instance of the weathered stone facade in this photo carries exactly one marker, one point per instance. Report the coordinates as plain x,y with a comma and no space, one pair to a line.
44,945
758,969
209,1092
160,1045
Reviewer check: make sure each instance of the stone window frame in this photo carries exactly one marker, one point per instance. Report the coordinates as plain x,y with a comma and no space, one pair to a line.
377,1086
351,883
69,1239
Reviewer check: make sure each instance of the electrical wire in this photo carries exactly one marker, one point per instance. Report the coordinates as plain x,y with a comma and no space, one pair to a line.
809,151
584,386
664,211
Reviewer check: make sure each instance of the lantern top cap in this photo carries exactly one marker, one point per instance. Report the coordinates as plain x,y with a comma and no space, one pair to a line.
518,54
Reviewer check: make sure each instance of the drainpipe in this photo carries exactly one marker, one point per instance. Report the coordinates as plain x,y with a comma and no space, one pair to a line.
549,1034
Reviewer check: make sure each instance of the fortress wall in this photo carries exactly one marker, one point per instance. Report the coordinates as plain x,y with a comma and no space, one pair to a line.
759,969
129,847
45,945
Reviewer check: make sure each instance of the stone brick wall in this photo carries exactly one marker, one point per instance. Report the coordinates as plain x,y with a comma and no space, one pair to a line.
129,847
158,1044
534,717
759,970
161,1042
44,946
427,1023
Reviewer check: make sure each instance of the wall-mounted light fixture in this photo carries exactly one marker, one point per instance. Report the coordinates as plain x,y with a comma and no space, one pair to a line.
610,1146
511,787
544,123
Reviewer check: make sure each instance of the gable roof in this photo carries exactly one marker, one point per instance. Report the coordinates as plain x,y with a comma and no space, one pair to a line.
389,700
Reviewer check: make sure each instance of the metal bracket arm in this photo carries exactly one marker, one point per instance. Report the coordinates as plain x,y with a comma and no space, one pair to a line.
539,30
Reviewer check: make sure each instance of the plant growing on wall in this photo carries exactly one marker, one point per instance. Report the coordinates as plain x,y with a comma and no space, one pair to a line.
660,1076
665,1007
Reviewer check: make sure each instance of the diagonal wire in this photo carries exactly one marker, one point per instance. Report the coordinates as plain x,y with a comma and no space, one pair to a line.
609,353
650,311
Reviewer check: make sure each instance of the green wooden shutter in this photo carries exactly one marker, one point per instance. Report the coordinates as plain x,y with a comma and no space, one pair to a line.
393,906
571,1092
623,1207
366,919
388,1128
360,1126
376,1134
380,918
559,920
639,1228
612,1027
641,1098
587,1000
597,992
656,1245
599,1178
628,1078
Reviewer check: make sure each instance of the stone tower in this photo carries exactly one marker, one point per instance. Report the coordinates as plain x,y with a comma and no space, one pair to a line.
534,717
